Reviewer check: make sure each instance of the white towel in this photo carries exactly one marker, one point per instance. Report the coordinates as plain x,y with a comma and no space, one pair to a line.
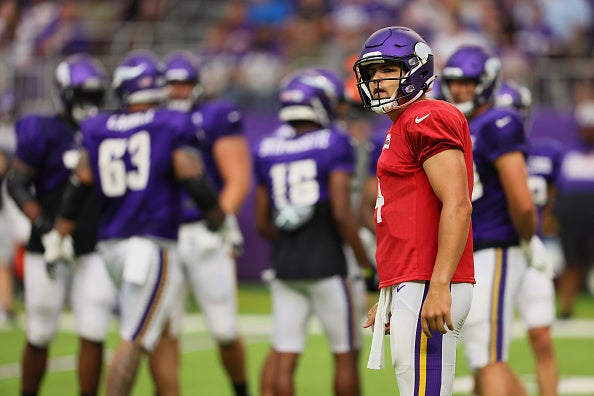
140,255
382,317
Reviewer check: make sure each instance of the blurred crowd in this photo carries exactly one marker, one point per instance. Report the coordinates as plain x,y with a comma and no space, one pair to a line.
247,46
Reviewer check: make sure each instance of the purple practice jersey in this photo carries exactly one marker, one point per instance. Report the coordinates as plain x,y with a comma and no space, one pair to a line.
212,120
49,146
496,132
131,158
295,169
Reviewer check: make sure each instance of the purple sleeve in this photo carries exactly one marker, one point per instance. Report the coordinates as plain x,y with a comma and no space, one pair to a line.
30,142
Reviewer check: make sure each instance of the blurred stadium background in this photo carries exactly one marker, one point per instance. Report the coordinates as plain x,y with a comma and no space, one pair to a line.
247,46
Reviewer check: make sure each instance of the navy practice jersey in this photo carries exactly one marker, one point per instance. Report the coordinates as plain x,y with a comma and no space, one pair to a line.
496,132
131,158
295,169
212,120
48,145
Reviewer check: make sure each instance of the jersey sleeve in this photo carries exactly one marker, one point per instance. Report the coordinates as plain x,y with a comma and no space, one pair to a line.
504,135
438,132
229,119
30,141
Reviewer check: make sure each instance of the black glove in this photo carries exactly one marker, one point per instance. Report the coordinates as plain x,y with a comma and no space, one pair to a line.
371,279
43,224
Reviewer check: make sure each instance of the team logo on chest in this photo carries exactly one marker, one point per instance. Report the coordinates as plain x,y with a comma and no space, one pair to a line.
387,141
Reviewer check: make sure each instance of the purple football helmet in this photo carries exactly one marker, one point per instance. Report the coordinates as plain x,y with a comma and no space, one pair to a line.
81,81
138,78
512,94
182,67
476,63
435,92
404,47
310,95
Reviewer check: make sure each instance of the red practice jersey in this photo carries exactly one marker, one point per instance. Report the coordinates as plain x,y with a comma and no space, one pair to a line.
407,210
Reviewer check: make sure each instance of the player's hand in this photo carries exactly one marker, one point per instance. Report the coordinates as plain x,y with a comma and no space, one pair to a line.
436,311
206,241
537,255
57,249
370,322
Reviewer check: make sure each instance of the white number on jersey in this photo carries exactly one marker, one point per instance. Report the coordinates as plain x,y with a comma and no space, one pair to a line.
477,187
379,202
295,184
538,188
115,180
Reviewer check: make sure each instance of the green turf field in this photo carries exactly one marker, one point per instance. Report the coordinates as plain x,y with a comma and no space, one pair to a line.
574,342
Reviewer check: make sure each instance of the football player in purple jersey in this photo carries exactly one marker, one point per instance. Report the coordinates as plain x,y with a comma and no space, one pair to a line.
503,218
536,297
46,153
333,89
574,209
303,207
209,261
139,159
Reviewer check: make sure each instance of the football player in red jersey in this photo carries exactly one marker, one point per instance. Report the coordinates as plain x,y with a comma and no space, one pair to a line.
422,214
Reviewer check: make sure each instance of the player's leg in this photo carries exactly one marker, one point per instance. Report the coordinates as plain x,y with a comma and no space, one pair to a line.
164,361
487,332
290,316
149,280
6,278
577,249
213,280
536,305
93,297
268,374
333,303
424,364
44,299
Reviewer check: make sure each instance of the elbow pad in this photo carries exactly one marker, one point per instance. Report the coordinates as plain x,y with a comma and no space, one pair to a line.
206,198
74,196
18,186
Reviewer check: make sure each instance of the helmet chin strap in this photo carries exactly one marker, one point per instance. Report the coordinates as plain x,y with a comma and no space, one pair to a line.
392,103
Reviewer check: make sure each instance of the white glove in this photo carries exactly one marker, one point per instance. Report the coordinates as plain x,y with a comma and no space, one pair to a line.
197,239
57,249
232,234
537,255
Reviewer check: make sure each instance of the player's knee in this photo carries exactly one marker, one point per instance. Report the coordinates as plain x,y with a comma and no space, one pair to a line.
41,331
93,327
225,336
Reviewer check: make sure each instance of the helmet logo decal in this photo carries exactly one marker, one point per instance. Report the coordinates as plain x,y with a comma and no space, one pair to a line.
422,51
124,73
